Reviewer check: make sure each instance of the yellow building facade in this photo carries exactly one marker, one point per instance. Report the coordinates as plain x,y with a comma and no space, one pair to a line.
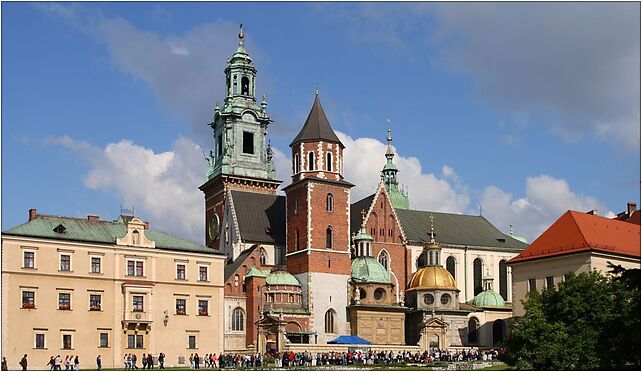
88,287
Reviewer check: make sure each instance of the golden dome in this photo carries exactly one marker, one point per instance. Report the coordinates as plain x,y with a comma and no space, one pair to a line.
432,277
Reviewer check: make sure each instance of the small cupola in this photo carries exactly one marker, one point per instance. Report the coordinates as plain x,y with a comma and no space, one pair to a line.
362,242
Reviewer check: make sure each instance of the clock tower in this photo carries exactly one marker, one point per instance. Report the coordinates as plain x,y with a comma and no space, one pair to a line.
242,158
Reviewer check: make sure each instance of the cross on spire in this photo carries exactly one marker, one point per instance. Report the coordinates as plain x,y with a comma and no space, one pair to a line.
363,215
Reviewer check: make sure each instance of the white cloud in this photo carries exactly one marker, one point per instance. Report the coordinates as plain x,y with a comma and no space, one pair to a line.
183,71
162,186
546,199
364,159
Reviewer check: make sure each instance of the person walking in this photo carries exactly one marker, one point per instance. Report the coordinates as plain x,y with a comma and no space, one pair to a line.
76,364
134,366
68,360
99,363
23,362
56,362
150,361
144,361
161,361
5,367
197,361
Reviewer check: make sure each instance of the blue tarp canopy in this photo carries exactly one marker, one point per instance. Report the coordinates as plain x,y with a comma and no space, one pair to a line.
352,340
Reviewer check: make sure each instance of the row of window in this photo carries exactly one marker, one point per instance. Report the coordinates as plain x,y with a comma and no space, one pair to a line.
134,267
549,281
329,204
181,307
95,303
312,163
40,341
134,341
64,301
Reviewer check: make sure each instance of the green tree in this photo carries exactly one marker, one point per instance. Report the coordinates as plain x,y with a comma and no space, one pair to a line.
587,322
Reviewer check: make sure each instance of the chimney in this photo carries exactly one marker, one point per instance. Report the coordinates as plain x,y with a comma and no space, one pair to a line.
146,225
92,218
630,208
33,213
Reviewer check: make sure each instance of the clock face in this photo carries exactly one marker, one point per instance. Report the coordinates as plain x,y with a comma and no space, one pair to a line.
214,227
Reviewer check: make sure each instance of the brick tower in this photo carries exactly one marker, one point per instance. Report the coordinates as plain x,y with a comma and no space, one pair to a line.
318,223
242,158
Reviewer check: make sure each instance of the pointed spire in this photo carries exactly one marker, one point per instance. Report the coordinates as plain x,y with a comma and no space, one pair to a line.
432,229
510,226
316,127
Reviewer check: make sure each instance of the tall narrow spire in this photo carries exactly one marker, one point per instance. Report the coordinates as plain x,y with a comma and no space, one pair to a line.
389,175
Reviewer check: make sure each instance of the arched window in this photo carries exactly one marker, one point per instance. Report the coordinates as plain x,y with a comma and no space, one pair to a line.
330,315
383,259
477,275
237,319
473,326
328,237
329,203
450,265
245,86
263,257
311,161
503,277
499,332
297,163
328,162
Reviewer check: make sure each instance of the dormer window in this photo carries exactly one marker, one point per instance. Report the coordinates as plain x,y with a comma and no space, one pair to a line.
60,229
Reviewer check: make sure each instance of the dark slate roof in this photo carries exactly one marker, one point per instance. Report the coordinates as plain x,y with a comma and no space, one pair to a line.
106,232
458,229
317,126
231,267
355,213
260,217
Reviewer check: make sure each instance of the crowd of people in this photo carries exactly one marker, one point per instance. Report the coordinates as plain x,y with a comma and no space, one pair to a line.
285,359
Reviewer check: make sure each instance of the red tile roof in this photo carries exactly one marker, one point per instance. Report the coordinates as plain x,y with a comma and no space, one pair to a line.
578,232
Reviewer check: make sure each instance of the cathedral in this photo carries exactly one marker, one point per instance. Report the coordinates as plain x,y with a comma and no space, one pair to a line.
311,265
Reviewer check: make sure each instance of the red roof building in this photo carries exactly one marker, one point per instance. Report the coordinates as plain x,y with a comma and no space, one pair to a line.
578,232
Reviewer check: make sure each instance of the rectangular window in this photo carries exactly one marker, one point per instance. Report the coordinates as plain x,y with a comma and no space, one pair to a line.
138,303
191,342
28,261
103,339
64,301
219,145
134,341
180,272
550,282
95,265
180,306
532,284
248,143
65,262
202,307
95,302
40,340
202,273
135,268
566,276
28,299
66,342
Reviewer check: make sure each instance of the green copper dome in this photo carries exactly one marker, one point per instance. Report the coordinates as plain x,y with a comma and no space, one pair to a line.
282,277
368,270
488,299
362,236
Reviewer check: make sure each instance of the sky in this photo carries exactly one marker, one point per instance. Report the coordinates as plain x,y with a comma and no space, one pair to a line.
520,110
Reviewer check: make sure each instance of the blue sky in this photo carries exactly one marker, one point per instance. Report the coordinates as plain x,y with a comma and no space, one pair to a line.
525,109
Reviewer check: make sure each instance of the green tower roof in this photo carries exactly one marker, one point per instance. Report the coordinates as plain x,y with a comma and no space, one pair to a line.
368,270
282,277
488,299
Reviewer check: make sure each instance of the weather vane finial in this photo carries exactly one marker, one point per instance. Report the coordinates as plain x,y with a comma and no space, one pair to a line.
316,88
432,228
241,34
